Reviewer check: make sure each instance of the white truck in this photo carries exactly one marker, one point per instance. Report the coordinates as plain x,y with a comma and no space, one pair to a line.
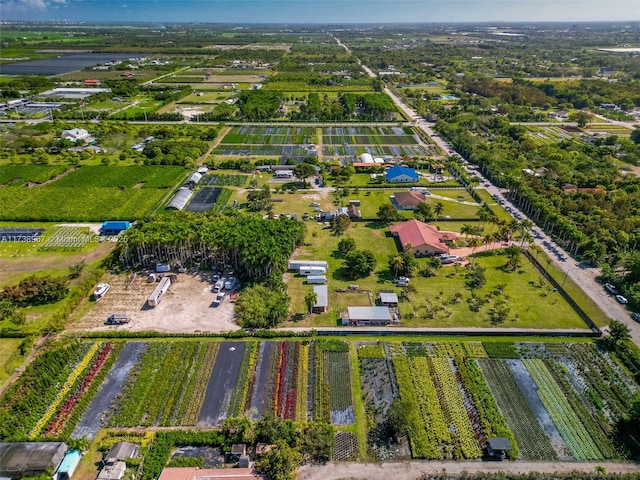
219,298
219,285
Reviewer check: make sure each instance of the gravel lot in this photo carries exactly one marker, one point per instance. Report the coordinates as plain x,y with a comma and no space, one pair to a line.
185,308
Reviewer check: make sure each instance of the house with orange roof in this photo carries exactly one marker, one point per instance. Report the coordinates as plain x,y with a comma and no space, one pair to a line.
424,239
407,200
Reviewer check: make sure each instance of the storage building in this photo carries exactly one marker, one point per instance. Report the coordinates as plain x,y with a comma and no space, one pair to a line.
322,304
388,299
194,178
68,465
317,279
114,227
368,316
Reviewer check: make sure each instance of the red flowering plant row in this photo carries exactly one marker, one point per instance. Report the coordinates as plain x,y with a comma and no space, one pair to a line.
55,426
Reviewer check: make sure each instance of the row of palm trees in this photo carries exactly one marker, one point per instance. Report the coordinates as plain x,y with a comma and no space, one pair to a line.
252,247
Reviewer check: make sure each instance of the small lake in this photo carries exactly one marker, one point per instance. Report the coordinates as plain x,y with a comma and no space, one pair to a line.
63,63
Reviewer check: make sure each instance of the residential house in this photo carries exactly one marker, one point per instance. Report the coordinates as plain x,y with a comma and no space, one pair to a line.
76,135
423,238
407,200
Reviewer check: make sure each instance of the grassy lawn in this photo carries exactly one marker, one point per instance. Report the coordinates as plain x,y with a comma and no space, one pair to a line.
10,357
530,305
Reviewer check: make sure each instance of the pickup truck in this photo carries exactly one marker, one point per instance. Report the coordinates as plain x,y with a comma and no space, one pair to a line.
219,299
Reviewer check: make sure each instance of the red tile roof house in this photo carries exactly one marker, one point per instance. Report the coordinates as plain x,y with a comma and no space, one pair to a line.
425,239
407,200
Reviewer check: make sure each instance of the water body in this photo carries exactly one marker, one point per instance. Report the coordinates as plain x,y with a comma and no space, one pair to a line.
63,63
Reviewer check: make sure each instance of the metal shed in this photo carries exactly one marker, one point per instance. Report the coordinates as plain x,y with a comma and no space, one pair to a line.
369,315
322,304
180,199
389,299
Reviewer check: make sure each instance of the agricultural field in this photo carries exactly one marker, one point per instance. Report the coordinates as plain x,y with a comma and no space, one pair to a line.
548,135
106,192
378,141
554,401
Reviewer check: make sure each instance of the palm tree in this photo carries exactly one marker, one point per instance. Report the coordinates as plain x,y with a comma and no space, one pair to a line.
473,242
310,300
397,264
466,229
438,209
408,248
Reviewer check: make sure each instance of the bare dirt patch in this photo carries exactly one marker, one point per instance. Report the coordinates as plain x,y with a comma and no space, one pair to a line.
187,307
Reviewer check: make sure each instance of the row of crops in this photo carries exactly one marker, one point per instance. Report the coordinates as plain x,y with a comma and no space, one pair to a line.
552,401
257,135
375,150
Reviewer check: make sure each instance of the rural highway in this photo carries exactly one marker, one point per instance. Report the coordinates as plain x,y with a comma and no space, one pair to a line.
582,275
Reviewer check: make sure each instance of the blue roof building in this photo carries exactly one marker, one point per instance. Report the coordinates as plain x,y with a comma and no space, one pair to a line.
400,174
68,465
114,227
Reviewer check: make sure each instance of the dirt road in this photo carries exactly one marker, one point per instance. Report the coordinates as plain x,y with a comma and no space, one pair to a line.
414,470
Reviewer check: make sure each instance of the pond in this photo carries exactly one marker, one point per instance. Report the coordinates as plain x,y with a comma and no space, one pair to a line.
62,63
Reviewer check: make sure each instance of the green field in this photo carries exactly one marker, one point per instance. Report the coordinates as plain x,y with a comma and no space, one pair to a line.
93,194
10,357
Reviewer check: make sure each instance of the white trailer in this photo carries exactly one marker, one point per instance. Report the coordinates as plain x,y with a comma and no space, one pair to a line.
296,264
156,296
316,279
309,270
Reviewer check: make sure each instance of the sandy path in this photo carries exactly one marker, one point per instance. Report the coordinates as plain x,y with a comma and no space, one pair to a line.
416,469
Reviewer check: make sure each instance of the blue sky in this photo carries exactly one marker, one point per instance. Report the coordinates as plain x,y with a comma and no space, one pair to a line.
321,11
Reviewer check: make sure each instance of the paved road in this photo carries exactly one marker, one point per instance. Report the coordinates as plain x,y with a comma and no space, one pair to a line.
583,275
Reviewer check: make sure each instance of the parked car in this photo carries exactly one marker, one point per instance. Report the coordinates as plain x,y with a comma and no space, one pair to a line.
621,299
402,281
636,317
611,289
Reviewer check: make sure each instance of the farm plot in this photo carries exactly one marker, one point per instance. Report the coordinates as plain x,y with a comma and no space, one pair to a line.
67,239
92,419
548,135
258,135
204,200
18,175
92,194
225,180
259,150
532,440
165,386
222,382
378,141
49,395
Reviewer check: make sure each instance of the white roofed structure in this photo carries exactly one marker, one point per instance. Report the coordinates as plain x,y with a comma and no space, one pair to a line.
180,199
